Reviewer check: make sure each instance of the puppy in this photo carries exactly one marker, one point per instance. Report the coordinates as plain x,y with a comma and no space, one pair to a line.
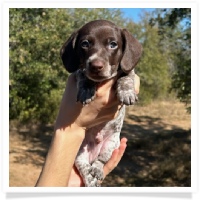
96,52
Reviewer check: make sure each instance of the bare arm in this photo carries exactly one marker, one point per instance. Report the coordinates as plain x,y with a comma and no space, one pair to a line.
70,126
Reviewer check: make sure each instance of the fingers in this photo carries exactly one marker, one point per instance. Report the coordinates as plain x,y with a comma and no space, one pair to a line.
76,180
137,84
116,157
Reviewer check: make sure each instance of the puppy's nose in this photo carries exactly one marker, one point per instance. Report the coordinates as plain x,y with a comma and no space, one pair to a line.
96,65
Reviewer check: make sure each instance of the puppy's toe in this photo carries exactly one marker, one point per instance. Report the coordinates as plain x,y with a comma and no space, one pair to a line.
85,96
96,173
90,182
125,91
127,97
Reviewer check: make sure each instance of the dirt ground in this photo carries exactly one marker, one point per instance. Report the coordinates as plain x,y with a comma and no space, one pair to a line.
158,152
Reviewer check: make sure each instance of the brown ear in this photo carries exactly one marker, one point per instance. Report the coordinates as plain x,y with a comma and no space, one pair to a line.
132,52
68,54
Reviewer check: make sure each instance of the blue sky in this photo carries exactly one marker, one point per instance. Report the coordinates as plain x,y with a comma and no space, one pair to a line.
133,13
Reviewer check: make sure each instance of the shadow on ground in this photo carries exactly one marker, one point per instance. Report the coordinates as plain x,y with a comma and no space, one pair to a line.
33,146
157,154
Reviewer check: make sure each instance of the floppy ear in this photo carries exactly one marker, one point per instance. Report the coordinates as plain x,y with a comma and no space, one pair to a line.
68,54
132,52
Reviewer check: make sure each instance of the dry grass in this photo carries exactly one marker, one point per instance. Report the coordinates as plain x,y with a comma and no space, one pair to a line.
172,112
158,152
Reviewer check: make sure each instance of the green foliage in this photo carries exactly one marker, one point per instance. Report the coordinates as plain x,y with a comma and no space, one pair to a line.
37,77
153,67
35,68
175,29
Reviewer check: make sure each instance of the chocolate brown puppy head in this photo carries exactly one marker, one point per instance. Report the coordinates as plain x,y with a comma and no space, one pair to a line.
100,48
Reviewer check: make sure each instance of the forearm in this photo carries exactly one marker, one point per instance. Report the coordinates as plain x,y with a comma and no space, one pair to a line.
68,138
60,158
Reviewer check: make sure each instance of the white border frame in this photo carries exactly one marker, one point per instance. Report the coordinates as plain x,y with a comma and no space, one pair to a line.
94,4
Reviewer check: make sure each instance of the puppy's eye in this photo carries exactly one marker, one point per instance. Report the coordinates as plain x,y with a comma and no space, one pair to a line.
85,44
113,45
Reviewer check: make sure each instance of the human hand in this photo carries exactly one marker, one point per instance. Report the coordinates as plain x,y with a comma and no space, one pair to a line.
75,179
103,108
70,127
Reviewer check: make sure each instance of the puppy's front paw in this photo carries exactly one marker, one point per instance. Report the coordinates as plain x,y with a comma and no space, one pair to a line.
125,91
127,97
86,92
86,95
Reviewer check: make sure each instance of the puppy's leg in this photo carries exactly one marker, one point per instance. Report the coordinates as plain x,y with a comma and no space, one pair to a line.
125,89
90,173
97,167
112,141
84,158
86,88
84,169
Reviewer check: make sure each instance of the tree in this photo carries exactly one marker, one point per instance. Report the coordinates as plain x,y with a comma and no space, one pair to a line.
37,78
153,67
175,26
